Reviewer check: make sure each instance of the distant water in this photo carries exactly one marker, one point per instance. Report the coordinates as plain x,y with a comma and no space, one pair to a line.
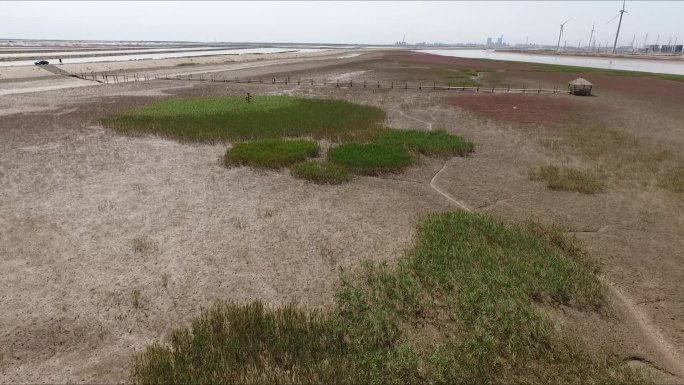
658,66
36,52
167,55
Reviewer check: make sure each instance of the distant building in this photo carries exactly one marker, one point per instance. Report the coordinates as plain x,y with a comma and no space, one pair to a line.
671,48
489,42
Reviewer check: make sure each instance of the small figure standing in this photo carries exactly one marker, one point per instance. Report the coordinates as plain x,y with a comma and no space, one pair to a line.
60,61
248,98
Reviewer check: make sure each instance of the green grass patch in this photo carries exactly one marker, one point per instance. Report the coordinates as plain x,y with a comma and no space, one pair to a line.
270,153
438,142
231,118
566,68
465,305
568,179
185,64
321,172
371,158
461,78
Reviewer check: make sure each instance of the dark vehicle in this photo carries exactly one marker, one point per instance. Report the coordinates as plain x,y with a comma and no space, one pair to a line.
42,63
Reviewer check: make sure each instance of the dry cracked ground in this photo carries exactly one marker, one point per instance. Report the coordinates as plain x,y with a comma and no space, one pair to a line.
109,242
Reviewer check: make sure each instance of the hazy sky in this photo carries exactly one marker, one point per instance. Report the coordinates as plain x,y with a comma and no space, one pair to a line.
379,22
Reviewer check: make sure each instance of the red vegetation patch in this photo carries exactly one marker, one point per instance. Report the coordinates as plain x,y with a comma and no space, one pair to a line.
521,108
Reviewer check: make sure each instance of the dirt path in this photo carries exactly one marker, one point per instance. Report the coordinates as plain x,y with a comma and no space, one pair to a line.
674,364
428,124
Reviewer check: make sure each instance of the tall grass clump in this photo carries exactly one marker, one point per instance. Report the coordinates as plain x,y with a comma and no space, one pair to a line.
371,158
465,305
270,153
321,172
438,142
568,179
231,118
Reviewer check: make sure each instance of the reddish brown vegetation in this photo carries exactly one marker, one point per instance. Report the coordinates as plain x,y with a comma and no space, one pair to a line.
520,108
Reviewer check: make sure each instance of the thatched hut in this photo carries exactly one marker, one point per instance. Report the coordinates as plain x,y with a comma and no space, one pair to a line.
580,86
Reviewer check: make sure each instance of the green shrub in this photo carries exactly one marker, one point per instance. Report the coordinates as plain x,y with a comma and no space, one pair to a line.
568,179
270,153
437,142
321,172
371,158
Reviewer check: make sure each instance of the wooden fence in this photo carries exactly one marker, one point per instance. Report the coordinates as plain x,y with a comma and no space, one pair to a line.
107,78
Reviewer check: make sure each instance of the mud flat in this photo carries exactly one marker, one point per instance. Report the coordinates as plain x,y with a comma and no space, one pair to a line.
80,298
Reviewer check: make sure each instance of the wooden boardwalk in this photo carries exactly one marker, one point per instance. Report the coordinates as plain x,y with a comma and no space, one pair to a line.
124,77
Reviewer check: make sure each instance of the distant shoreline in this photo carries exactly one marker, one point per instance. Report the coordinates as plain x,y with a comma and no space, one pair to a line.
548,52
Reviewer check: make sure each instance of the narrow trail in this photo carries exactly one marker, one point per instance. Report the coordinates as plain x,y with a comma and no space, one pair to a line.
428,124
674,364
445,194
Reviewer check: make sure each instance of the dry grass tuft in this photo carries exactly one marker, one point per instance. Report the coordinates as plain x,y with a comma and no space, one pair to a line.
568,179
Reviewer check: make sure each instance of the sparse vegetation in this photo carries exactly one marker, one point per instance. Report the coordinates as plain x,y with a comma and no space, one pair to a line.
231,118
568,179
136,299
437,142
371,158
674,180
185,64
143,244
321,172
165,280
461,78
270,153
464,306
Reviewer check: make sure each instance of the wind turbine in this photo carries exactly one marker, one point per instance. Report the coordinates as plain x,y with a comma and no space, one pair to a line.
561,33
622,12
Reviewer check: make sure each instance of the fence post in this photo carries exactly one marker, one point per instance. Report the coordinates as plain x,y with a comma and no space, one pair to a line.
351,83
392,85
378,83
406,85
539,89
364,83
420,86
508,90
337,84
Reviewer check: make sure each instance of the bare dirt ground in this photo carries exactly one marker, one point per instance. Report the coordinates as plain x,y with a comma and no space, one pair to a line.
78,301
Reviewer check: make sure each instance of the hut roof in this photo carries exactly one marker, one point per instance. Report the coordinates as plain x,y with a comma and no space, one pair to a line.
580,82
